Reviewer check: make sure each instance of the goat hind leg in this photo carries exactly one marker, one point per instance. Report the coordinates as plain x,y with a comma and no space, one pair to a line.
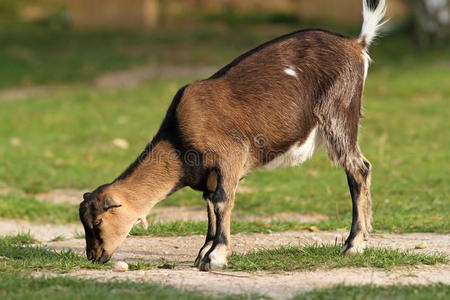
358,177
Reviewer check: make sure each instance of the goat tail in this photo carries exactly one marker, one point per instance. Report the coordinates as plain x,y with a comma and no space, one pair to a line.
373,13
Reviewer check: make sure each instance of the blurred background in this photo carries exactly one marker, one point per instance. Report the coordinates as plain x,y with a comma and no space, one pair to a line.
85,84
80,39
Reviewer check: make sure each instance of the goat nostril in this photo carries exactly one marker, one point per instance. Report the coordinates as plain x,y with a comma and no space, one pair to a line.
104,257
90,254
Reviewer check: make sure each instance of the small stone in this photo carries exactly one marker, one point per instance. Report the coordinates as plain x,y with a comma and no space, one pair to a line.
313,229
88,157
59,162
120,266
120,143
15,141
421,246
122,119
313,173
378,236
48,154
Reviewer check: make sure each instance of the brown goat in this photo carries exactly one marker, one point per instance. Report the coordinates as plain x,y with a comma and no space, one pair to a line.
271,107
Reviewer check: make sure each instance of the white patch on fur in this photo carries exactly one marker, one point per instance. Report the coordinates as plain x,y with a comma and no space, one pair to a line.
367,60
373,21
297,154
355,250
358,245
219,257
291,72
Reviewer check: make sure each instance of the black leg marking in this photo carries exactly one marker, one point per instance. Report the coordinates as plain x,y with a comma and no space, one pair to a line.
211,231
216,255
355,192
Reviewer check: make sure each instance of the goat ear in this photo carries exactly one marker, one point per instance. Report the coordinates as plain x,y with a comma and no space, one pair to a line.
86,196
109,203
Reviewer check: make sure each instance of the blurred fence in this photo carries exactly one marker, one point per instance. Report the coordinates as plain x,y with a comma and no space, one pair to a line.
151,13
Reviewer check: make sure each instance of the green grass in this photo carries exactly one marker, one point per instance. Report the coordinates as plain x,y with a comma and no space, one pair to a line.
19,256
41,55
368,292
49,53
27,208
27,258
66,133
180,228
18,240
409,188
313,257
13,286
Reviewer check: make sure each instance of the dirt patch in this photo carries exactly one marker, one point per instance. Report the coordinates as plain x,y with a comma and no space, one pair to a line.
6,191
135,76
183,250
124,79
22,93
279,285
44,232
62,196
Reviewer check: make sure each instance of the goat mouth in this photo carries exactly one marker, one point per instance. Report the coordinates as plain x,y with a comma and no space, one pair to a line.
102,259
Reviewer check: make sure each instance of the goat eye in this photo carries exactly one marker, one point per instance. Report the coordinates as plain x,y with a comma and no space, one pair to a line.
97,223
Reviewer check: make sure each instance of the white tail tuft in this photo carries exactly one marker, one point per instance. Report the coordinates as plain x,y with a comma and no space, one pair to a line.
373,13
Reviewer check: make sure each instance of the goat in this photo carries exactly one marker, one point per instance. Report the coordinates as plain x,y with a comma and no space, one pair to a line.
271,107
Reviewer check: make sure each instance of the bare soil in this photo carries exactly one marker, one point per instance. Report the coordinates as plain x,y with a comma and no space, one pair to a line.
135,76
280,285
68,196
42,232
276,285
128,78
183,250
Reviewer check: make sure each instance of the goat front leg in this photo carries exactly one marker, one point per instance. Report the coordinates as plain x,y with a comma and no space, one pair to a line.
223,201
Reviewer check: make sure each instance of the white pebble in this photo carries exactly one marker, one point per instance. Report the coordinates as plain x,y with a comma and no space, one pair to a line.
120,143
120,266
421,246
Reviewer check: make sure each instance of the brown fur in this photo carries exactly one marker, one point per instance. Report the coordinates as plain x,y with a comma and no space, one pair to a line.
219,129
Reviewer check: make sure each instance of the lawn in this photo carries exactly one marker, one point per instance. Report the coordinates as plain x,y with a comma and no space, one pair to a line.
65,134
13,286
20,256
400,292
326,256
54,54
61,138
